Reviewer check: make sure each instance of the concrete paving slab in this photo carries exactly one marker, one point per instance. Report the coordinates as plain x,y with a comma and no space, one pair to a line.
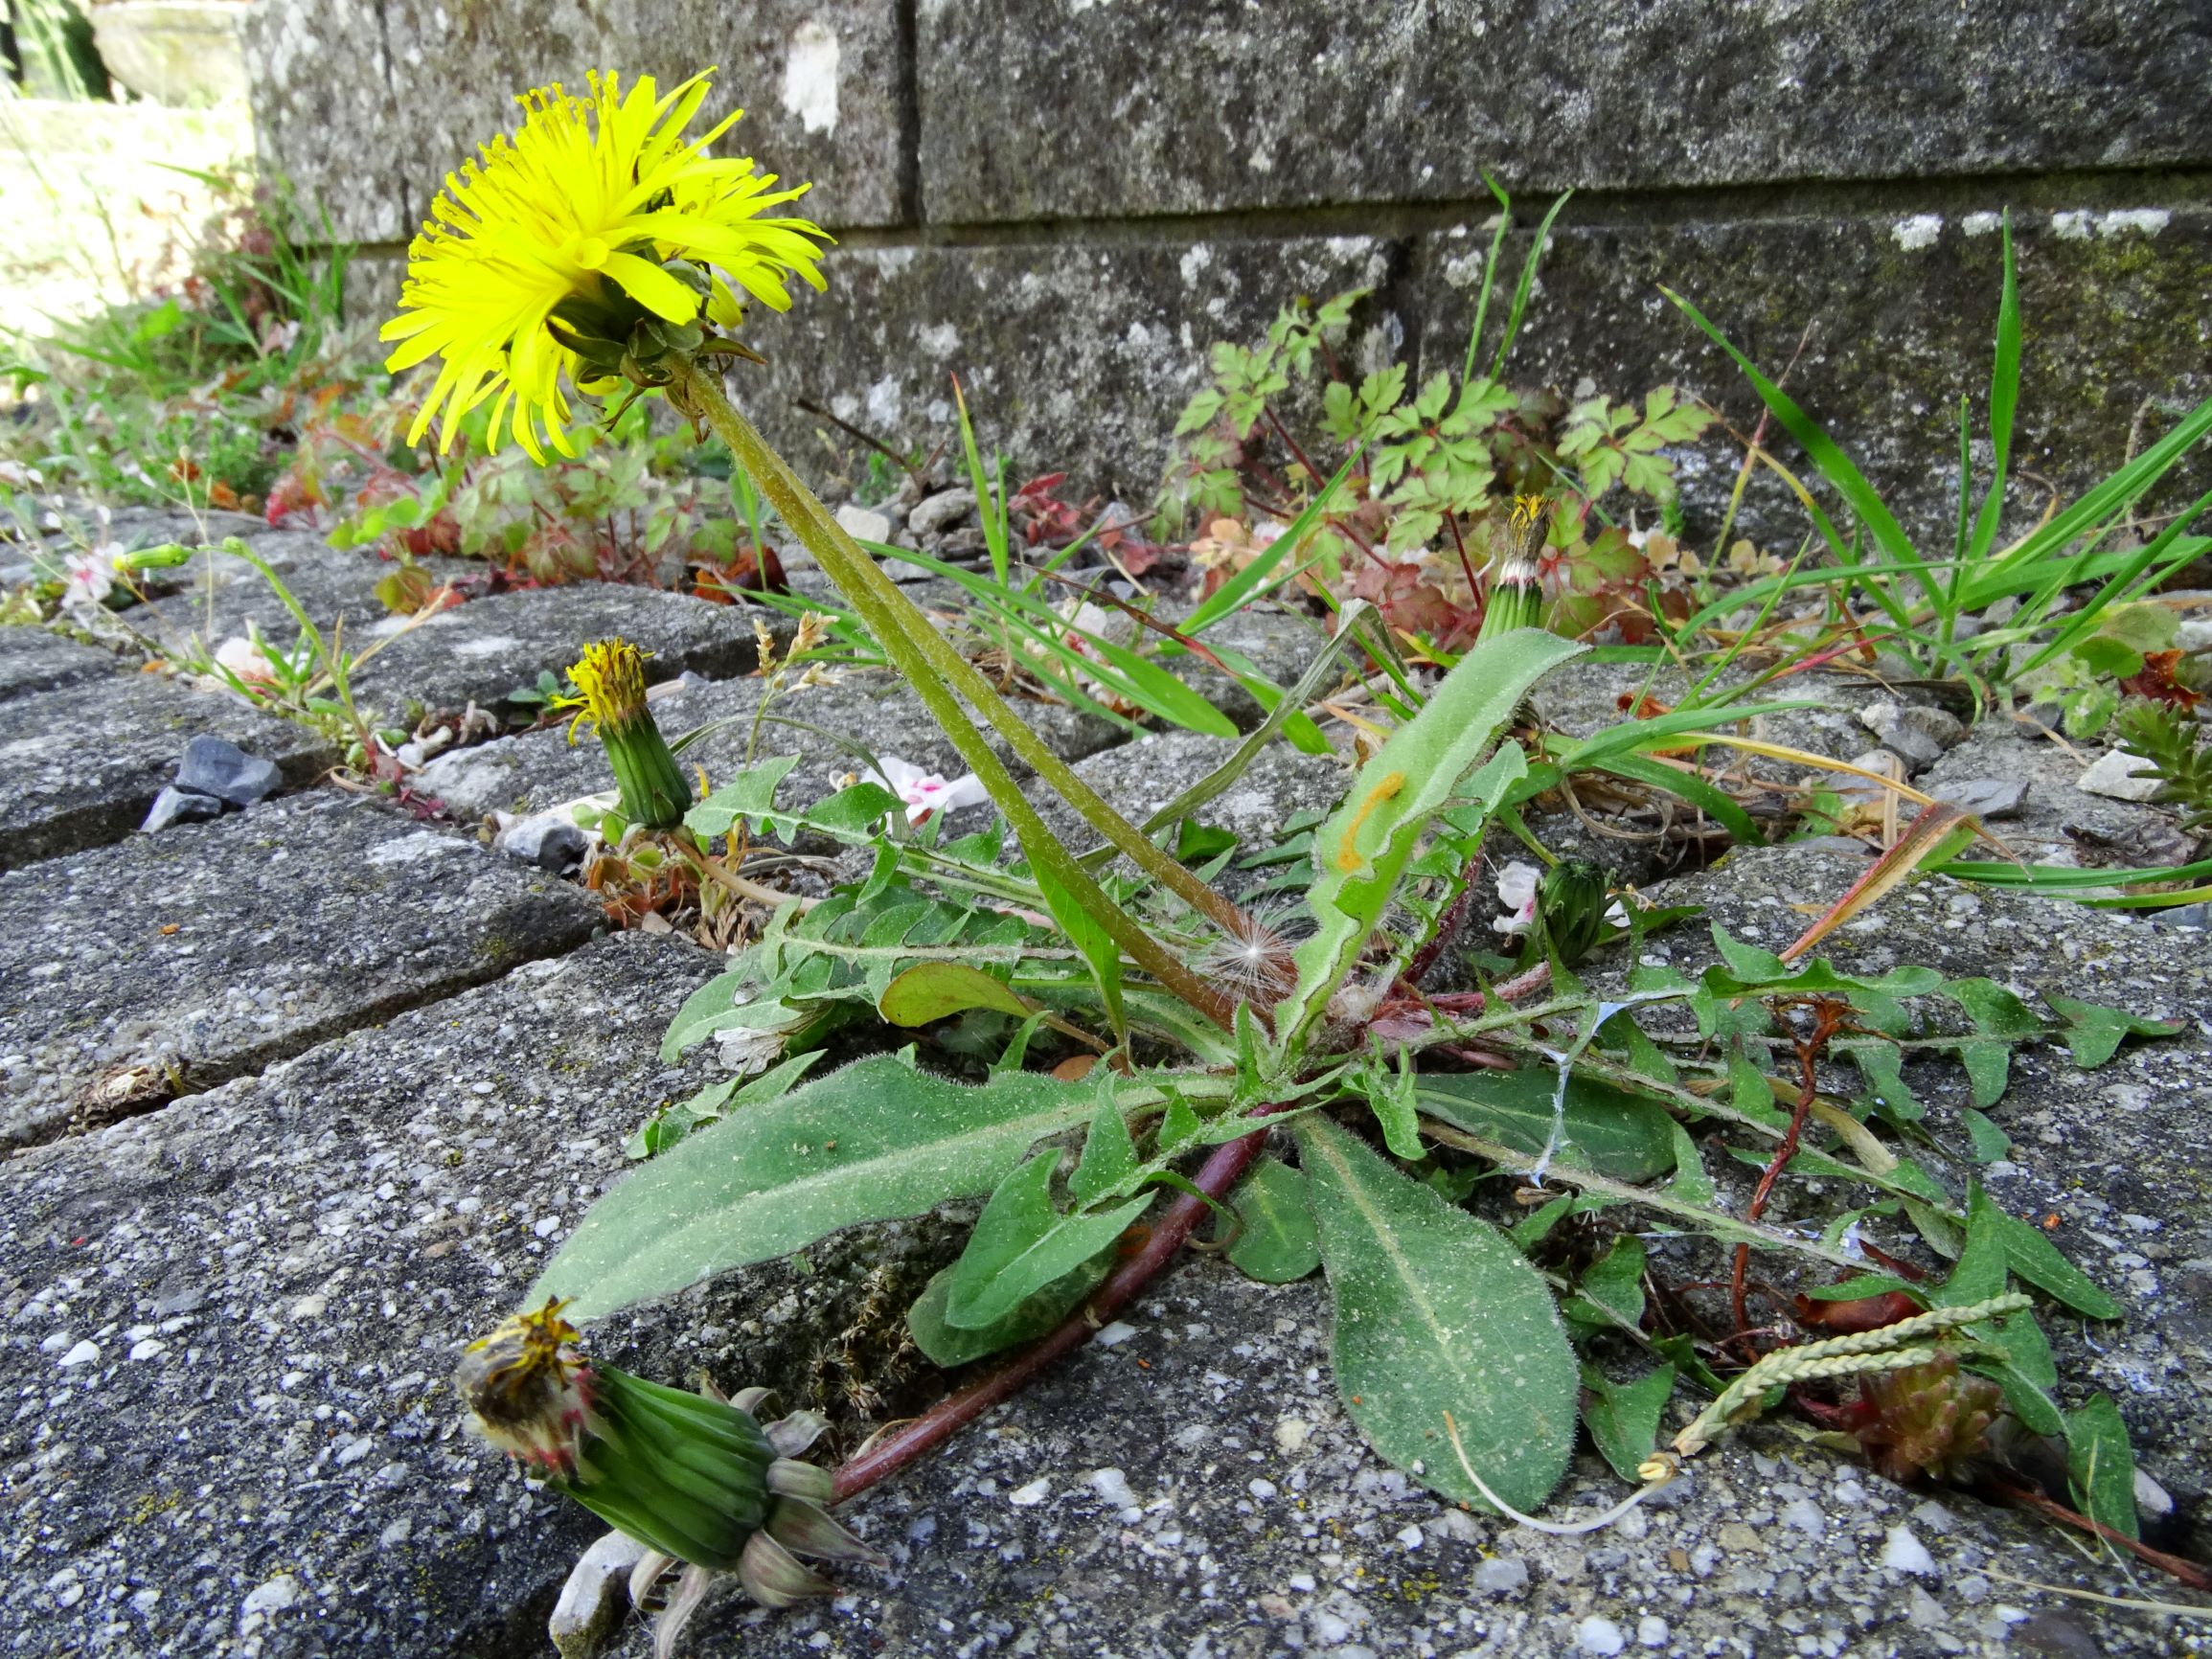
33,659
484,649
1142,777
170,963
229,1324
84,764
217,593
277,1278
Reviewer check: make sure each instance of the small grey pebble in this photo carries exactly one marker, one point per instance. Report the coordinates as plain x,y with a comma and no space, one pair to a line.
175,805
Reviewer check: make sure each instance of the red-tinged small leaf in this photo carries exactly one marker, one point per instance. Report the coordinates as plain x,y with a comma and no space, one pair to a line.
1860,1313
2156,681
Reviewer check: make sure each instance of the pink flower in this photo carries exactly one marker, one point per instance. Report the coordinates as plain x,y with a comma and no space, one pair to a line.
90,578
245,659
1516,889
1517,886
927,793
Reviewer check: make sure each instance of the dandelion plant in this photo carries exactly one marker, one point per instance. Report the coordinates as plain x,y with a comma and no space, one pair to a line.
598,255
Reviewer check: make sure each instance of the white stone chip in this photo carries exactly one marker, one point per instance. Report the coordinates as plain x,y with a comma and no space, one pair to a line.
273,1597
862,524
1030,1497
2111,776
1601,1636
83,1353
1903,1553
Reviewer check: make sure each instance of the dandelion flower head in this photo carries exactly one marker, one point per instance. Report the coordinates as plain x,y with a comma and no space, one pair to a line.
597,222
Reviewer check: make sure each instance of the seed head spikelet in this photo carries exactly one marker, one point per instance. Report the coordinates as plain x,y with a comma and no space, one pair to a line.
565,255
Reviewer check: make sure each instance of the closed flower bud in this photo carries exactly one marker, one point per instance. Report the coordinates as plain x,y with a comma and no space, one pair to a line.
1516,599
1572,905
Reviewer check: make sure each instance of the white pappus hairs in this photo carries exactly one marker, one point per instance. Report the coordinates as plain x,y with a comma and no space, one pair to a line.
1252,961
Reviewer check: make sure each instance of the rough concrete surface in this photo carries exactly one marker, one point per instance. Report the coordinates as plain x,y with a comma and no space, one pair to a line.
484,649
1142,777
1281,643
84,764
230,1322
33,659
425,84
1196,1488
259,1455
172,962
1069,355
1901,312
2053,809
217,593
1195,105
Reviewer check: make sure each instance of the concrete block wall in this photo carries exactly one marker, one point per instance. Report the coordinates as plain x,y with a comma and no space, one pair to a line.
1067,201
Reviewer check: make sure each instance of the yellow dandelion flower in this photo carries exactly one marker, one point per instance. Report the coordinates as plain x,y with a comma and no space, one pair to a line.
572,253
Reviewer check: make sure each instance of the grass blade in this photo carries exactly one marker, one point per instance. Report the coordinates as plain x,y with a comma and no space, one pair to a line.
1826,455
2004,391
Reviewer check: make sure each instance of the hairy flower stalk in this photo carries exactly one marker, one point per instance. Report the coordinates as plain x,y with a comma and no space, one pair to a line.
610,678
598,217
694,1478
1515,589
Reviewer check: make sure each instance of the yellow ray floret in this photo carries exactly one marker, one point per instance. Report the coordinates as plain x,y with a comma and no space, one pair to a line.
583,203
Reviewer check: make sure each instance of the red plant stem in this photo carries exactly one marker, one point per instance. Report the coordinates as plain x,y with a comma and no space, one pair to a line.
1335,523
949,1415
1473,587
2186,1570
1448,928
1825,1020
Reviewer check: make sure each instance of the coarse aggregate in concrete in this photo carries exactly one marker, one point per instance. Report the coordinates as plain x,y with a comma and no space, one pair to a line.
254,1450
1140,778
229,1324
169,963
482,651
217,594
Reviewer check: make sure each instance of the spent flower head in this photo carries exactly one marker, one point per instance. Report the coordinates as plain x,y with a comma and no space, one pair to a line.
610,684
585,249
692,1476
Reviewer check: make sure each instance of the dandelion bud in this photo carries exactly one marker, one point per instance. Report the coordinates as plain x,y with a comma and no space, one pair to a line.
1572,903
610,678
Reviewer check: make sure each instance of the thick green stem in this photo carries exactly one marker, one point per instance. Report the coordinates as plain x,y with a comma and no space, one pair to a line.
941,676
